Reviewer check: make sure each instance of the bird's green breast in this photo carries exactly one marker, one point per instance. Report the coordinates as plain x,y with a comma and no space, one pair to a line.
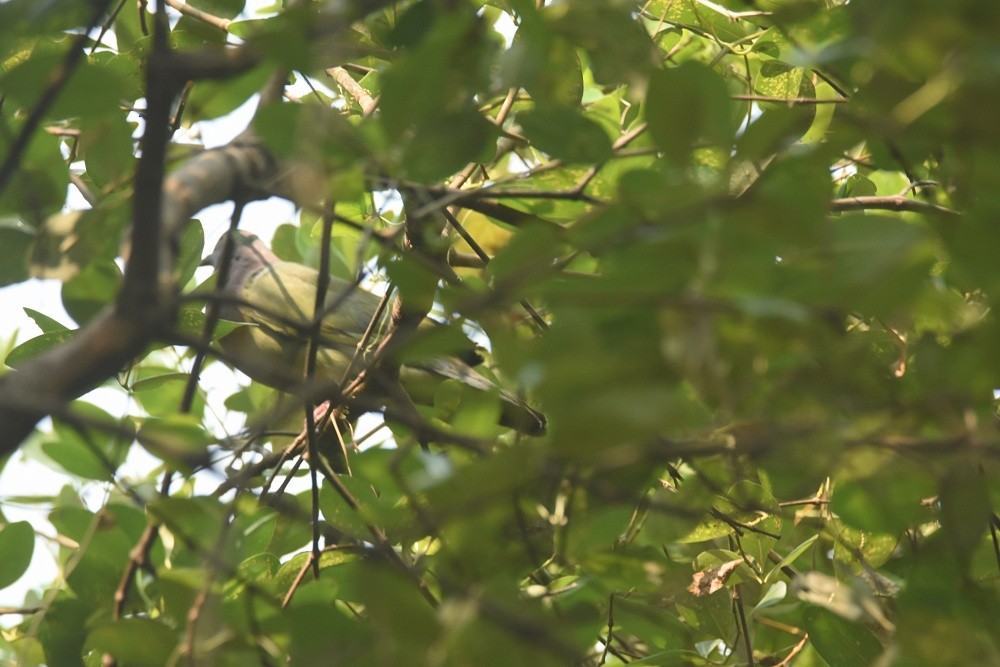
280,301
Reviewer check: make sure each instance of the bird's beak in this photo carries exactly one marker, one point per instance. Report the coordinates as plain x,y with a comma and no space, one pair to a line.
207,261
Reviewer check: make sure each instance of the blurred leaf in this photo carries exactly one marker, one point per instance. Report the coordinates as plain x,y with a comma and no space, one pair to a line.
95,88
14,265
445,143
38,187
192,248
965,508
63,635
44,322
160,391
177,439
774,595
36,345
226,9
445,68
686,106
884,495
106,146
91,444
619,49
133,641
17,544
213,99
840,641
547,66
91,290
566,134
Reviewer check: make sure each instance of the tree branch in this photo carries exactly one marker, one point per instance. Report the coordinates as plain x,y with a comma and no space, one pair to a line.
892,203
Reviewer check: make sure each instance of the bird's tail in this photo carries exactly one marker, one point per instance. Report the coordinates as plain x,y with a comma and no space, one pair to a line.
515,412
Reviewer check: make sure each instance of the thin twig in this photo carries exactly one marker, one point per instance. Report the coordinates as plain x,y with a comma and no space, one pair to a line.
203,16
312,349
611,629
353,88
287,600
742,617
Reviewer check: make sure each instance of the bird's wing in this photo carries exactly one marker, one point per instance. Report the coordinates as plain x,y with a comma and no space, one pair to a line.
282,297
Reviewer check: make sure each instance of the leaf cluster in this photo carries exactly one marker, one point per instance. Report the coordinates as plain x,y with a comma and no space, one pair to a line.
741,255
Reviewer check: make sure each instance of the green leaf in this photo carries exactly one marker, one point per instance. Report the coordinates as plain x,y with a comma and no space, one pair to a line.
290,570
855,547
778,79
177,439
65,630
792,556
14,264
17,544
710,18
445,143
38,187
965,507
88,292
25,19
774,595
160,391
35,346
106,147
192,33
191,320
91,445
688,106
134,641
840,642
882,493
192,247
619,48
443,70
95,88
226,9
214,99
417,285
195,521
44,322
566,134
547,66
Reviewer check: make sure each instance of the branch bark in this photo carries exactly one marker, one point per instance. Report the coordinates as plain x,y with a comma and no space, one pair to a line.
890,203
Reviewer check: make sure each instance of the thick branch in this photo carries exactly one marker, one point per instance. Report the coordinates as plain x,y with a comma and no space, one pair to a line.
112,339
891,203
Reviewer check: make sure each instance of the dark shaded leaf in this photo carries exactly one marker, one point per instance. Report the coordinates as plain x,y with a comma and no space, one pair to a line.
566,134
841,642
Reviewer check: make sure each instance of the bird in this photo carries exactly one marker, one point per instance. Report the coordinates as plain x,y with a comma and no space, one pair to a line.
276,300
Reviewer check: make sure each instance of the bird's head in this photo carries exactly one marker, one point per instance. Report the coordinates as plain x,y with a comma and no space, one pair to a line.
249,255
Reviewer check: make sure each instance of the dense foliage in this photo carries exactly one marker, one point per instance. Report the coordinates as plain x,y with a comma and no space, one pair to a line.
739,253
